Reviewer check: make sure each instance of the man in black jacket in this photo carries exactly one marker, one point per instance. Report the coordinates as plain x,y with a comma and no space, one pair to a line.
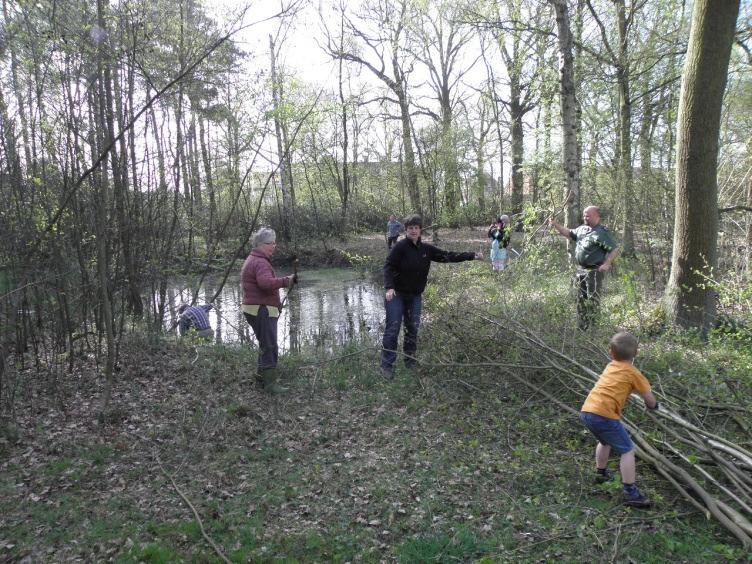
405,275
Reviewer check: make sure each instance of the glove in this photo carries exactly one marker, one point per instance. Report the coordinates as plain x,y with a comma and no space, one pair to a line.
294,279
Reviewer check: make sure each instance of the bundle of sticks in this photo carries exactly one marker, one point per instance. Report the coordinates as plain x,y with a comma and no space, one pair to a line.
712,473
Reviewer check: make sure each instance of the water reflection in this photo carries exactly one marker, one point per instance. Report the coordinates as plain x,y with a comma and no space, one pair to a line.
331,307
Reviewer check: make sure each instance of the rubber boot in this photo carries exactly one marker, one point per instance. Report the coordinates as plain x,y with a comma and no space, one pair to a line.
270,376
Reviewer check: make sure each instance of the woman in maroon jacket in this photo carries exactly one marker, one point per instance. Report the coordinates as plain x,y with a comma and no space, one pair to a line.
261,304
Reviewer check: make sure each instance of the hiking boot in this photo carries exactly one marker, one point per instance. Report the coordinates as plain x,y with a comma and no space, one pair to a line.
636,499
607,476
387,373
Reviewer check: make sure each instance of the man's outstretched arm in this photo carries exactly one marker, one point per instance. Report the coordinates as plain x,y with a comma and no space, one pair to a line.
563,231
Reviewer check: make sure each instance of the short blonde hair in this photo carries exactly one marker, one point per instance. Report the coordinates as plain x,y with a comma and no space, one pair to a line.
623,346
264,235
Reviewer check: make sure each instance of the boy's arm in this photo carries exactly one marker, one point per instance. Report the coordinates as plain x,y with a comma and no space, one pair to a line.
650,401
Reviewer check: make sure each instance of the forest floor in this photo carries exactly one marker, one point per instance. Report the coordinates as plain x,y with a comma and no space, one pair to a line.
433,466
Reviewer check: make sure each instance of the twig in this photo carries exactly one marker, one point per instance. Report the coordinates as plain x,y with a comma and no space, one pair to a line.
665,466
195,513
340,357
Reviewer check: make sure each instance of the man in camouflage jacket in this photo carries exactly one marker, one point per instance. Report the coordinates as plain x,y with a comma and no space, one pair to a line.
594,252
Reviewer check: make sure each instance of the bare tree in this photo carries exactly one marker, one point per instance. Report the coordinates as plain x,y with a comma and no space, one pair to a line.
283,147
385,59
619,58
442,38
518,48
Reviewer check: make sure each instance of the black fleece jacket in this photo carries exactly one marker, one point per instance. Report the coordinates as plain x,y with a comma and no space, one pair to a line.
406,268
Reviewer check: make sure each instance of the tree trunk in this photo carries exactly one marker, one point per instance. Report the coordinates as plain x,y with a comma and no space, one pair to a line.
344,184
9,142
193,160
690,300
452,196
18,89
206,160
411,170
480,160
102,221
570,124
161,166
625,133
749,227
516,114
120,184
500,140
284,174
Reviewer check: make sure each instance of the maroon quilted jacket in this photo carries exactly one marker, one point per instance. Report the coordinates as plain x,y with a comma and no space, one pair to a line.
260,286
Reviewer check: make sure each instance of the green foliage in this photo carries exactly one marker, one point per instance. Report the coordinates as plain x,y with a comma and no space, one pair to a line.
361,263
239,410
152,553
446,463
462,545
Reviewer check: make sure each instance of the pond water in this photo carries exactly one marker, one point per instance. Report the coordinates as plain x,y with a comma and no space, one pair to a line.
329,308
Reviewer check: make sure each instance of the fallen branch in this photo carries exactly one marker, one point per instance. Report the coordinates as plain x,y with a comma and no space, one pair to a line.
208,539
720,487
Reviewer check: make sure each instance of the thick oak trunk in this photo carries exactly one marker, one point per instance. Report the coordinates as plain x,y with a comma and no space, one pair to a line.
690,300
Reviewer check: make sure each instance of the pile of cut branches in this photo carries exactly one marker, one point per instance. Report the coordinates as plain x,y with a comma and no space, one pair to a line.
712,473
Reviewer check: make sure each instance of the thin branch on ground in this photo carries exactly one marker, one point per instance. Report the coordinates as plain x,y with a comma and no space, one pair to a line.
206,536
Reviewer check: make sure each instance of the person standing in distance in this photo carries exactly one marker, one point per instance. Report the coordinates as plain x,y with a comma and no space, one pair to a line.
595,250
405,275
393,229
500,234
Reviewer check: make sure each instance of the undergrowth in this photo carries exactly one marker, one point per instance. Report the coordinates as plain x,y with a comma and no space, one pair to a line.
453,462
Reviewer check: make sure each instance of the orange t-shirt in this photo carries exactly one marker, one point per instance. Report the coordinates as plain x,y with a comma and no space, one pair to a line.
618,380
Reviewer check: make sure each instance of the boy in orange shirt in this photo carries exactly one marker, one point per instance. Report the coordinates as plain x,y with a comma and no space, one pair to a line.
601,414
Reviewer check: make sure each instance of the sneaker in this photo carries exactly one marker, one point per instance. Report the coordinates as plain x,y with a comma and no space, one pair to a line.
636,499
607,476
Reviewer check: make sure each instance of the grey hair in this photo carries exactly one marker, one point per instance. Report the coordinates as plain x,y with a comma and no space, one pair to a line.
264,235
504,218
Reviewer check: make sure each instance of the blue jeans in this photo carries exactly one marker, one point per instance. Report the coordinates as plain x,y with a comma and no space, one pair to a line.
407,307
608,432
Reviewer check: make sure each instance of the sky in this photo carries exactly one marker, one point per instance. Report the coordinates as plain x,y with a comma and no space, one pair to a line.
300,55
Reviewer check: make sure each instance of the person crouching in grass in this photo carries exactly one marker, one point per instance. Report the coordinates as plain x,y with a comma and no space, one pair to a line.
601,414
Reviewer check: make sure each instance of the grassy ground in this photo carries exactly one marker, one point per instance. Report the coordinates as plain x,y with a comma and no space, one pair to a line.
441,465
